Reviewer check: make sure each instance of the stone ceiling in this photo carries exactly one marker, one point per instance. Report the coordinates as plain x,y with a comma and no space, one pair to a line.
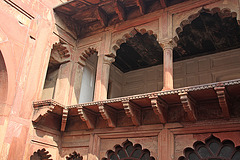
84,16
206,32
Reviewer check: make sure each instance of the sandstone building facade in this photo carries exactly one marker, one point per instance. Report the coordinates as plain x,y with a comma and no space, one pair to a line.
120,79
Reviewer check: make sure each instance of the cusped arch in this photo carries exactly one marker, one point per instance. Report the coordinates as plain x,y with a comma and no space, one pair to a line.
3,80
223,13
86,54
129,35
128,151
212,149
74,156
41,154
208,30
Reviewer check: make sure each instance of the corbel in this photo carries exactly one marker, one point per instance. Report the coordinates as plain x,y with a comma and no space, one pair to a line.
120,10
142,6
108,114
102,16
40,112
224,100
160,108
87,116
188,105
64,119
163,3
133,111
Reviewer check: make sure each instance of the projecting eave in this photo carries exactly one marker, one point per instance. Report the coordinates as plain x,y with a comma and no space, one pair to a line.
218,100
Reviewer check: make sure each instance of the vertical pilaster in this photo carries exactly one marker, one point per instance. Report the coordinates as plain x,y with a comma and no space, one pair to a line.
102,77
167,64
166,145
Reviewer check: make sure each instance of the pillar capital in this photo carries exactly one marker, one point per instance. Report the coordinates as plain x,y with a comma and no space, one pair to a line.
109,59
167,44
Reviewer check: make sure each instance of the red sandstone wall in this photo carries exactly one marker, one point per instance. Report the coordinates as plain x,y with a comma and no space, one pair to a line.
26,61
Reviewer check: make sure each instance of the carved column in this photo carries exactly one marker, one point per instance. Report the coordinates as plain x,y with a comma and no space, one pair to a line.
102,77
107,61
167,64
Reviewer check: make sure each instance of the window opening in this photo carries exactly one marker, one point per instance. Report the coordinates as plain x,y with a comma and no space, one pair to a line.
128,151
74,156
41,155
212,149
88,80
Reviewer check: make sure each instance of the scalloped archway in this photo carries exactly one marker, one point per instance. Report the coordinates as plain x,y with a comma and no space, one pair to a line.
128,151
41,155
137,49
212,149
207,31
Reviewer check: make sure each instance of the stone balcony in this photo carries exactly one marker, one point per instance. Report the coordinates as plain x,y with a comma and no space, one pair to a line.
218,100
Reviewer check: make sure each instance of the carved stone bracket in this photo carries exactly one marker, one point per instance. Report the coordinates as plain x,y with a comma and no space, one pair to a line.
85,55
103,17
42,111
188,105
133,111
163,3
159,108
142,6
59,55
64,119
108,114
120,10
223,99
87,116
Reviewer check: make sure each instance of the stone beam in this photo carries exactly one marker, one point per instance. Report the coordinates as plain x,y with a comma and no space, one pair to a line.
87,116
64,119
163,3
188,105
108,114
223,99
120,10
103,17
142,6
159,108
133,111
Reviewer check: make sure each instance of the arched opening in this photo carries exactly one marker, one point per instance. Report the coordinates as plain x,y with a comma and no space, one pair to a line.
88,76
59,55
128,151
74,156
208,44
41,155
207,32
3,80
212,149
137,53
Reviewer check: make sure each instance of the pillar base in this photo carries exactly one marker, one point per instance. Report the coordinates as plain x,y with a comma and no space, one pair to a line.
166,89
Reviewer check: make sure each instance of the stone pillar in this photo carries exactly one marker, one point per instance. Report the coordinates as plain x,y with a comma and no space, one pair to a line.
101,84
107,61
68,84
167,64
